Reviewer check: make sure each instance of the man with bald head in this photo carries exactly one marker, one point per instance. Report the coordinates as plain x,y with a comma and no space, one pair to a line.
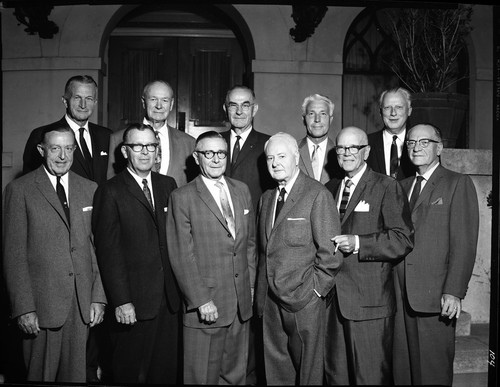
376,232
175,147
297,267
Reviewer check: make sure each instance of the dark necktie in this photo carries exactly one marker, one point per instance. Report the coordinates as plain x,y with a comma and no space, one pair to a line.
345,198
62,197
280,203
158,154
84,147
236,150
226,209
394,162
415,192
147,192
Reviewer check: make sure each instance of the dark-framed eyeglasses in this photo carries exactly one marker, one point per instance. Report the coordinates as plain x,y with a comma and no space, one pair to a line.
140,147
56,149
353,149
423,142
209,154
245,106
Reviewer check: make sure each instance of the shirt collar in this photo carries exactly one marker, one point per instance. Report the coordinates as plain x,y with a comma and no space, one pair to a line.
288,186
243,136
74,126
388,135
311,144
429,172
357,177
163,129
139,179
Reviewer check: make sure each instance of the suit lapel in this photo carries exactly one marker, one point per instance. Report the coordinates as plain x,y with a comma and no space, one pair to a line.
379,151
294,195
172,145
324,174
305,157
429,187
247,148
137,192
47,189
357,194
209,201
267,210
237,205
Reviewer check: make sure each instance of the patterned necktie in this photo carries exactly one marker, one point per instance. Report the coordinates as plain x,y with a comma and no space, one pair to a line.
226,209
236,151
61,193
84,147
416,192
157,166
394,162
345,198
280,203
147,192
315,162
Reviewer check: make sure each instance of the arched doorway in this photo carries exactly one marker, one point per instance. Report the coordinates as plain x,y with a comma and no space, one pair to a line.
200,51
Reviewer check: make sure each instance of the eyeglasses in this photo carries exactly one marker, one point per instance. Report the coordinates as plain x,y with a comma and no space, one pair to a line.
210,154
397,108
245,106
140,147
57,149
353,149
423,142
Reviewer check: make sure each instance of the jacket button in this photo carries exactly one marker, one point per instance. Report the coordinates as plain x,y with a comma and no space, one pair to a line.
73,249
71,274
236,275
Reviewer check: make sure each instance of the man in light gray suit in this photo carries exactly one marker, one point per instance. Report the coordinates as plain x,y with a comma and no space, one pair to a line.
174,156
50,267
317,150
297,267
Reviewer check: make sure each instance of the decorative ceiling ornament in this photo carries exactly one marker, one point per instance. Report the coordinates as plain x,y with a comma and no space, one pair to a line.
35,18
306,18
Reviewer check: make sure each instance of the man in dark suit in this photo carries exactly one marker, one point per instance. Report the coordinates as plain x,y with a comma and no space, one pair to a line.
317,151
435,275
174,155
50,268
129,222
297,267
90,160
376,233
388,153
247,161
211,234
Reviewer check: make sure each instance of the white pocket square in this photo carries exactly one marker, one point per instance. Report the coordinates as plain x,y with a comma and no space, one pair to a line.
362,207
104,153
245,211
437,202
295,218
165,209
85,209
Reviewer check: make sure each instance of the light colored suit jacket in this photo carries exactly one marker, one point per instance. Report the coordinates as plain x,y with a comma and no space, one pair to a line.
181,167
296,256
446,220
365,284
46,261
331,167
207,262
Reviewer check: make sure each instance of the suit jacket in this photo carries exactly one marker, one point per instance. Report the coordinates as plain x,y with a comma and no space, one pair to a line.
296,256
446,220
331,167
131,244
46,261
208,263
376,159
181,167
100,144
365,285
251,166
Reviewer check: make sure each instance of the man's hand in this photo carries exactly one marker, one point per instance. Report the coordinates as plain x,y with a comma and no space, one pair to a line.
451,306
125,314
208,312
28,323
96,313
344,243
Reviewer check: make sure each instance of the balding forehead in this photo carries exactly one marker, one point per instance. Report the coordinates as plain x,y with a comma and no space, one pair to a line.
360,134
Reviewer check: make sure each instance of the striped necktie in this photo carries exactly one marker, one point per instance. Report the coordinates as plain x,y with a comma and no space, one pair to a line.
345,198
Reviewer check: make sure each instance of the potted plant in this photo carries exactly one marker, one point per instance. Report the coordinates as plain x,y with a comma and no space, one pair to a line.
428,43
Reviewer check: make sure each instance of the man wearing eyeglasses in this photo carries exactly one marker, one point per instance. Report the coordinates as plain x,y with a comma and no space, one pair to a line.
211,244
129,224
49,263
317,154
433,278
376,233
388,153
173,157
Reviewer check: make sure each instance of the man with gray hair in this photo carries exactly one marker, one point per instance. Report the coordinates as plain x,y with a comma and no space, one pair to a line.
388,149
297,267
317,155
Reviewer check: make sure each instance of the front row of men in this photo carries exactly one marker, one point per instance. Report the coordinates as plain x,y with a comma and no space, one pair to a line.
324,285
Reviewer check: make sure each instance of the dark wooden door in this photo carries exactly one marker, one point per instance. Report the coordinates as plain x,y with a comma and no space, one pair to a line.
200,70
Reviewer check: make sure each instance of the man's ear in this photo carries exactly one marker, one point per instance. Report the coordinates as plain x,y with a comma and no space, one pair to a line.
195,156
41,150
64,101
124,151
255,108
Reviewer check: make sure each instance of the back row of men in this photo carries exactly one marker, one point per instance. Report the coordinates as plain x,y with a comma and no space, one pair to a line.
354,276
